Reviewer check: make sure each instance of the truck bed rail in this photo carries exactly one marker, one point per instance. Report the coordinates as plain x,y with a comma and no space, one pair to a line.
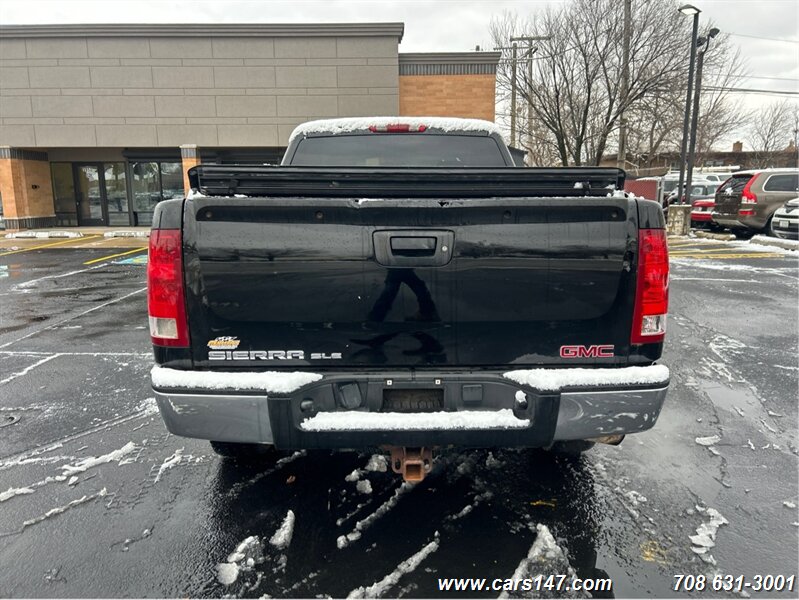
404,182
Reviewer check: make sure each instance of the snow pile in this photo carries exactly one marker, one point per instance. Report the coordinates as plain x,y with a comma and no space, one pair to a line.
409,565
439,421
11,492
93,461
246,555
62,509
265,381
377,464
345,540
705,537
169,463
362,124
147,407
544,558
778,242
364,486
551,380
789,504
282,537
711,440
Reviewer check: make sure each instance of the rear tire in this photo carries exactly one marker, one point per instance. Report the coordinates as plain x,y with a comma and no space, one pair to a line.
244,452
743,234
571,447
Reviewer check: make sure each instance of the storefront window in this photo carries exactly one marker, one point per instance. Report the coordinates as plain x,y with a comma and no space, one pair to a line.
153,182
64,193
117,193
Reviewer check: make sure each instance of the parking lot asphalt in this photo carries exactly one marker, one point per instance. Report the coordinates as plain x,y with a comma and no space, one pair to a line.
98,500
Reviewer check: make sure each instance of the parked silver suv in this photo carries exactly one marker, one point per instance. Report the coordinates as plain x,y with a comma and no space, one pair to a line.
747,201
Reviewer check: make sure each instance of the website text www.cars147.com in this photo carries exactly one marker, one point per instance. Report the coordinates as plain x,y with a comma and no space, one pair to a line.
559,583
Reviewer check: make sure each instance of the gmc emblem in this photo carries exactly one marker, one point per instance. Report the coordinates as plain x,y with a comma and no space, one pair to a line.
587,351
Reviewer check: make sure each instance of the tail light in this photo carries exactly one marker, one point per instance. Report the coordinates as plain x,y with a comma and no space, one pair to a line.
652,288
397,128
747,196
165,305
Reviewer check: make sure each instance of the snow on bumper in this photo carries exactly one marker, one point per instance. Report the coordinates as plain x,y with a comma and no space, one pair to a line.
292,411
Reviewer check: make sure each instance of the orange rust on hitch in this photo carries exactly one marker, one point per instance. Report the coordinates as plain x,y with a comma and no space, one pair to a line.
412,463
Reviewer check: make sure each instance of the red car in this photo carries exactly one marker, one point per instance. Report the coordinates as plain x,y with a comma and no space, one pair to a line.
701,211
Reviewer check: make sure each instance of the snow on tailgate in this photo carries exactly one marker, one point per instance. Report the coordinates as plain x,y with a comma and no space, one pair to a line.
551,380
463,420
339,126
266,381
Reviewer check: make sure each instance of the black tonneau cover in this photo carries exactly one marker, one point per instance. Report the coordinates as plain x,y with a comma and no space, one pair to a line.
404,182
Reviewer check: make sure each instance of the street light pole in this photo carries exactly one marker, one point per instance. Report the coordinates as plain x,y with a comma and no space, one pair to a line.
695,116
688,9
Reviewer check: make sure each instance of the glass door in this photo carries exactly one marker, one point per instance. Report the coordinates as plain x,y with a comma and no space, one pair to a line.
89,194
116,192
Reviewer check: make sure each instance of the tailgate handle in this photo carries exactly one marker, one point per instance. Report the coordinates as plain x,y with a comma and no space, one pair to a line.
413,246
409,248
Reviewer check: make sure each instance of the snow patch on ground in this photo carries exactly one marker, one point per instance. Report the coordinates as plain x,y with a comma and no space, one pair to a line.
439,421
93,461
545,558
377,464
708,441
345,540
11,492
62,509
378,589
364,486
147,407
247,554
705,537
266,381
169,463
556,379
282,537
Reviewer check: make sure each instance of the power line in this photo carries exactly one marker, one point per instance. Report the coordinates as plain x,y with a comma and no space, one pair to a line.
738,90
760,37
756,77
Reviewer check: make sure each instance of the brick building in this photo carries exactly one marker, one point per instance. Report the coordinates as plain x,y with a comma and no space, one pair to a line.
98,123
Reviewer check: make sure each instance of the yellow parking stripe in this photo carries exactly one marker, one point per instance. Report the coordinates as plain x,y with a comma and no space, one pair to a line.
69,241
96,260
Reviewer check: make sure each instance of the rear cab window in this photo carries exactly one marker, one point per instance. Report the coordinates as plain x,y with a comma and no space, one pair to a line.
399,150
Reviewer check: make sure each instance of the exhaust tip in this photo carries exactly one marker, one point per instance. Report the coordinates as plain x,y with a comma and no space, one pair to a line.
610,440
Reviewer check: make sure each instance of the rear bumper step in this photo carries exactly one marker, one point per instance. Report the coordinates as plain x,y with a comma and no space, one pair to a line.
480,409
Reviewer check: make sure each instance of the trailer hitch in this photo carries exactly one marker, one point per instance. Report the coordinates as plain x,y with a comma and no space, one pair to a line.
412,463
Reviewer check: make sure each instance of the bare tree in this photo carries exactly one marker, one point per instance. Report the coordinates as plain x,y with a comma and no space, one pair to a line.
771,130
574,87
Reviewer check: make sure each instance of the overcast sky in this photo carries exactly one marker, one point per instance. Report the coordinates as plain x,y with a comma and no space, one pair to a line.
759,27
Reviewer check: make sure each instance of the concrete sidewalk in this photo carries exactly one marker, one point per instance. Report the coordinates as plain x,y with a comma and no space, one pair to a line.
76,237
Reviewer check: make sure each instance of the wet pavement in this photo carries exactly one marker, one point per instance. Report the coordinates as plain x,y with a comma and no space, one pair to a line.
98,500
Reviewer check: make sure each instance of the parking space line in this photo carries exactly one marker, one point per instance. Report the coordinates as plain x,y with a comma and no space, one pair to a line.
96,260
28,369
725,256
69,241
85,312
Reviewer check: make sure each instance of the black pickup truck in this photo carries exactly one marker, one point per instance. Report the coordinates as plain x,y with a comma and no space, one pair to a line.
396,283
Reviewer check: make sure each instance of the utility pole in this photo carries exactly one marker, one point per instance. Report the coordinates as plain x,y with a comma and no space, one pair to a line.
513,98
621,156
700,61
691,11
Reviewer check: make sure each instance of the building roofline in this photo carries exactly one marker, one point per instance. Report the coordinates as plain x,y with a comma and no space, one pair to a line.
203,30
449,58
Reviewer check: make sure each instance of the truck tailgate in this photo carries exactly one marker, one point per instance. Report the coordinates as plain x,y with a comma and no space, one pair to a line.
338,282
